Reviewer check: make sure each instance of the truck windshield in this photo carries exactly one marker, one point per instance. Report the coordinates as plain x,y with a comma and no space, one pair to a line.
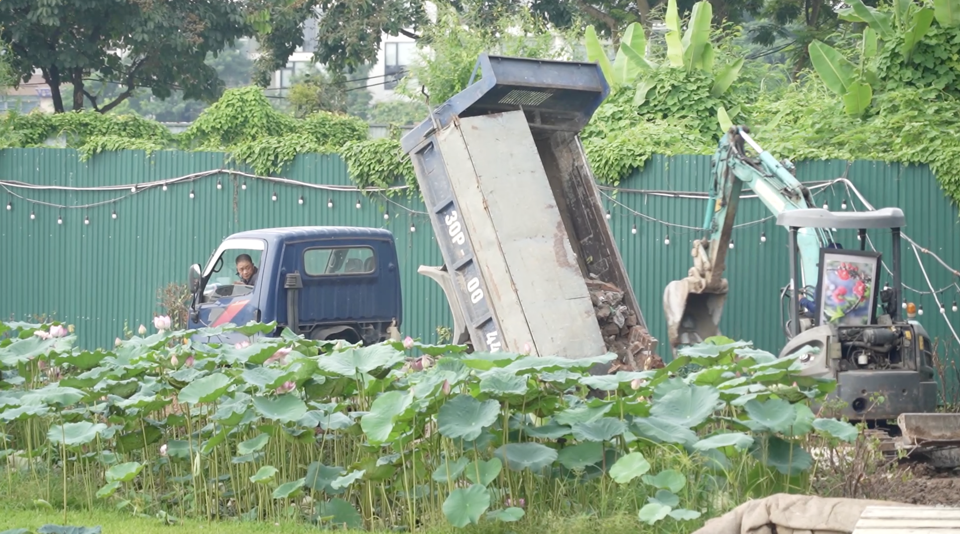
234,270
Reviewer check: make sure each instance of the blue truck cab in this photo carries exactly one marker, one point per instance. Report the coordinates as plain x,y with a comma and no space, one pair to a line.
321,282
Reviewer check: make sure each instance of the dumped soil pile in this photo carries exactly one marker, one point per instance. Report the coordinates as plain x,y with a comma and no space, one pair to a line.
621,333
923,485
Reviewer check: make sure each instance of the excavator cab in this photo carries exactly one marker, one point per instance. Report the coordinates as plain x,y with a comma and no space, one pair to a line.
844,291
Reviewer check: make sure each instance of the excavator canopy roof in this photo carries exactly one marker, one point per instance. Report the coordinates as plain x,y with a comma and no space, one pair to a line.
856,220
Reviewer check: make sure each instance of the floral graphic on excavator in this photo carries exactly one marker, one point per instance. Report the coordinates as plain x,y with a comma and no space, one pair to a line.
847,295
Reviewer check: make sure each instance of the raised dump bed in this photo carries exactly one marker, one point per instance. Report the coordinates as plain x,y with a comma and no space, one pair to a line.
529,260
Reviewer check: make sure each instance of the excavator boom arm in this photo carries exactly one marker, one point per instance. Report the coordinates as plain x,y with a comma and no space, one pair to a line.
694,305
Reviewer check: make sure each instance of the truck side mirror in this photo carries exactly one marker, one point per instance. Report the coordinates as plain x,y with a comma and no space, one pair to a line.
194,277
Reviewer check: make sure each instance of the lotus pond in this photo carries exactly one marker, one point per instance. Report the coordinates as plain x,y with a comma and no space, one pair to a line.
385,437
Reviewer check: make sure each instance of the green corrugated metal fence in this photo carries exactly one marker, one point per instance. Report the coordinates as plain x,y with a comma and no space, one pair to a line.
101,274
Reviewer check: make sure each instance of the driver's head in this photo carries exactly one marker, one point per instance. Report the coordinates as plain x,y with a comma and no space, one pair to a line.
245,266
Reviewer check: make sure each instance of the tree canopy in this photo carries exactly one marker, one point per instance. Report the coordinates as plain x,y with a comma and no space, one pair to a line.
159,45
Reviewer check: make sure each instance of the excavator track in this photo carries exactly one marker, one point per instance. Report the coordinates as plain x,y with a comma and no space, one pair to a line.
896,447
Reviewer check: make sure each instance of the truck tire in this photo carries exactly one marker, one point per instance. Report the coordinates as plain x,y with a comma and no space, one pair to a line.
345,333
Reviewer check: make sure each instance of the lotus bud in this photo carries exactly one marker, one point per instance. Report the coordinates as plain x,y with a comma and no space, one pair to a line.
117,342
41,334
142,330
189,361
174,361
526,349
446,387
636,383
242,345
408,342
70,328
163,449
426,362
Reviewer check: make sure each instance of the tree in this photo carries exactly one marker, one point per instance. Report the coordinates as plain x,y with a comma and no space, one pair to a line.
350,31
164,44
317,91
7,77
233,66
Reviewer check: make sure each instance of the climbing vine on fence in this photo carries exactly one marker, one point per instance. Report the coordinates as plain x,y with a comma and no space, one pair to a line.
242,123
914,120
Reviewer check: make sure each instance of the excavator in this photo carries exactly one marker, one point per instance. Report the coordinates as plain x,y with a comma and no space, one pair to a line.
835,329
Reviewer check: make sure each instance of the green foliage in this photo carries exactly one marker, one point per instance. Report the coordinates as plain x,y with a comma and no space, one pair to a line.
933,62
113,143
320,91
686,90
241,115
456,42
398,113
80,128
7,75
895,51
912,126
193,430
378,163
165,45
333,129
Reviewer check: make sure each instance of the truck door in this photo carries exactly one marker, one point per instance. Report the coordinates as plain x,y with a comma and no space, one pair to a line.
231,284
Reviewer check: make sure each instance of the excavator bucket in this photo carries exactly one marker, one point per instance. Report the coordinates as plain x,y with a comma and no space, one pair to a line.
692,311
693,305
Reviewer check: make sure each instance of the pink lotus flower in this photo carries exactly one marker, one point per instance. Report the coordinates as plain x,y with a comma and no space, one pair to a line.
189,361
408,342
117,342
161,322
41,334
58,331
287,387
279,356
446,387
242,345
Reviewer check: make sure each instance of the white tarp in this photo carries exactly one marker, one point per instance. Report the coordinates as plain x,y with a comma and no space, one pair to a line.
792,514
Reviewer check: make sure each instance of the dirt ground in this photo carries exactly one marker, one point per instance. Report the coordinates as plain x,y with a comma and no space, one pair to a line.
920,484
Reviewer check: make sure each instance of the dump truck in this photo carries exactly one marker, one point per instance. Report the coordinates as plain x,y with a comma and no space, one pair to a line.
529,262
842,324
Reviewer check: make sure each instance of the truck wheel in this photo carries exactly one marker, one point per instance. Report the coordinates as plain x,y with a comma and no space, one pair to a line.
325,334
